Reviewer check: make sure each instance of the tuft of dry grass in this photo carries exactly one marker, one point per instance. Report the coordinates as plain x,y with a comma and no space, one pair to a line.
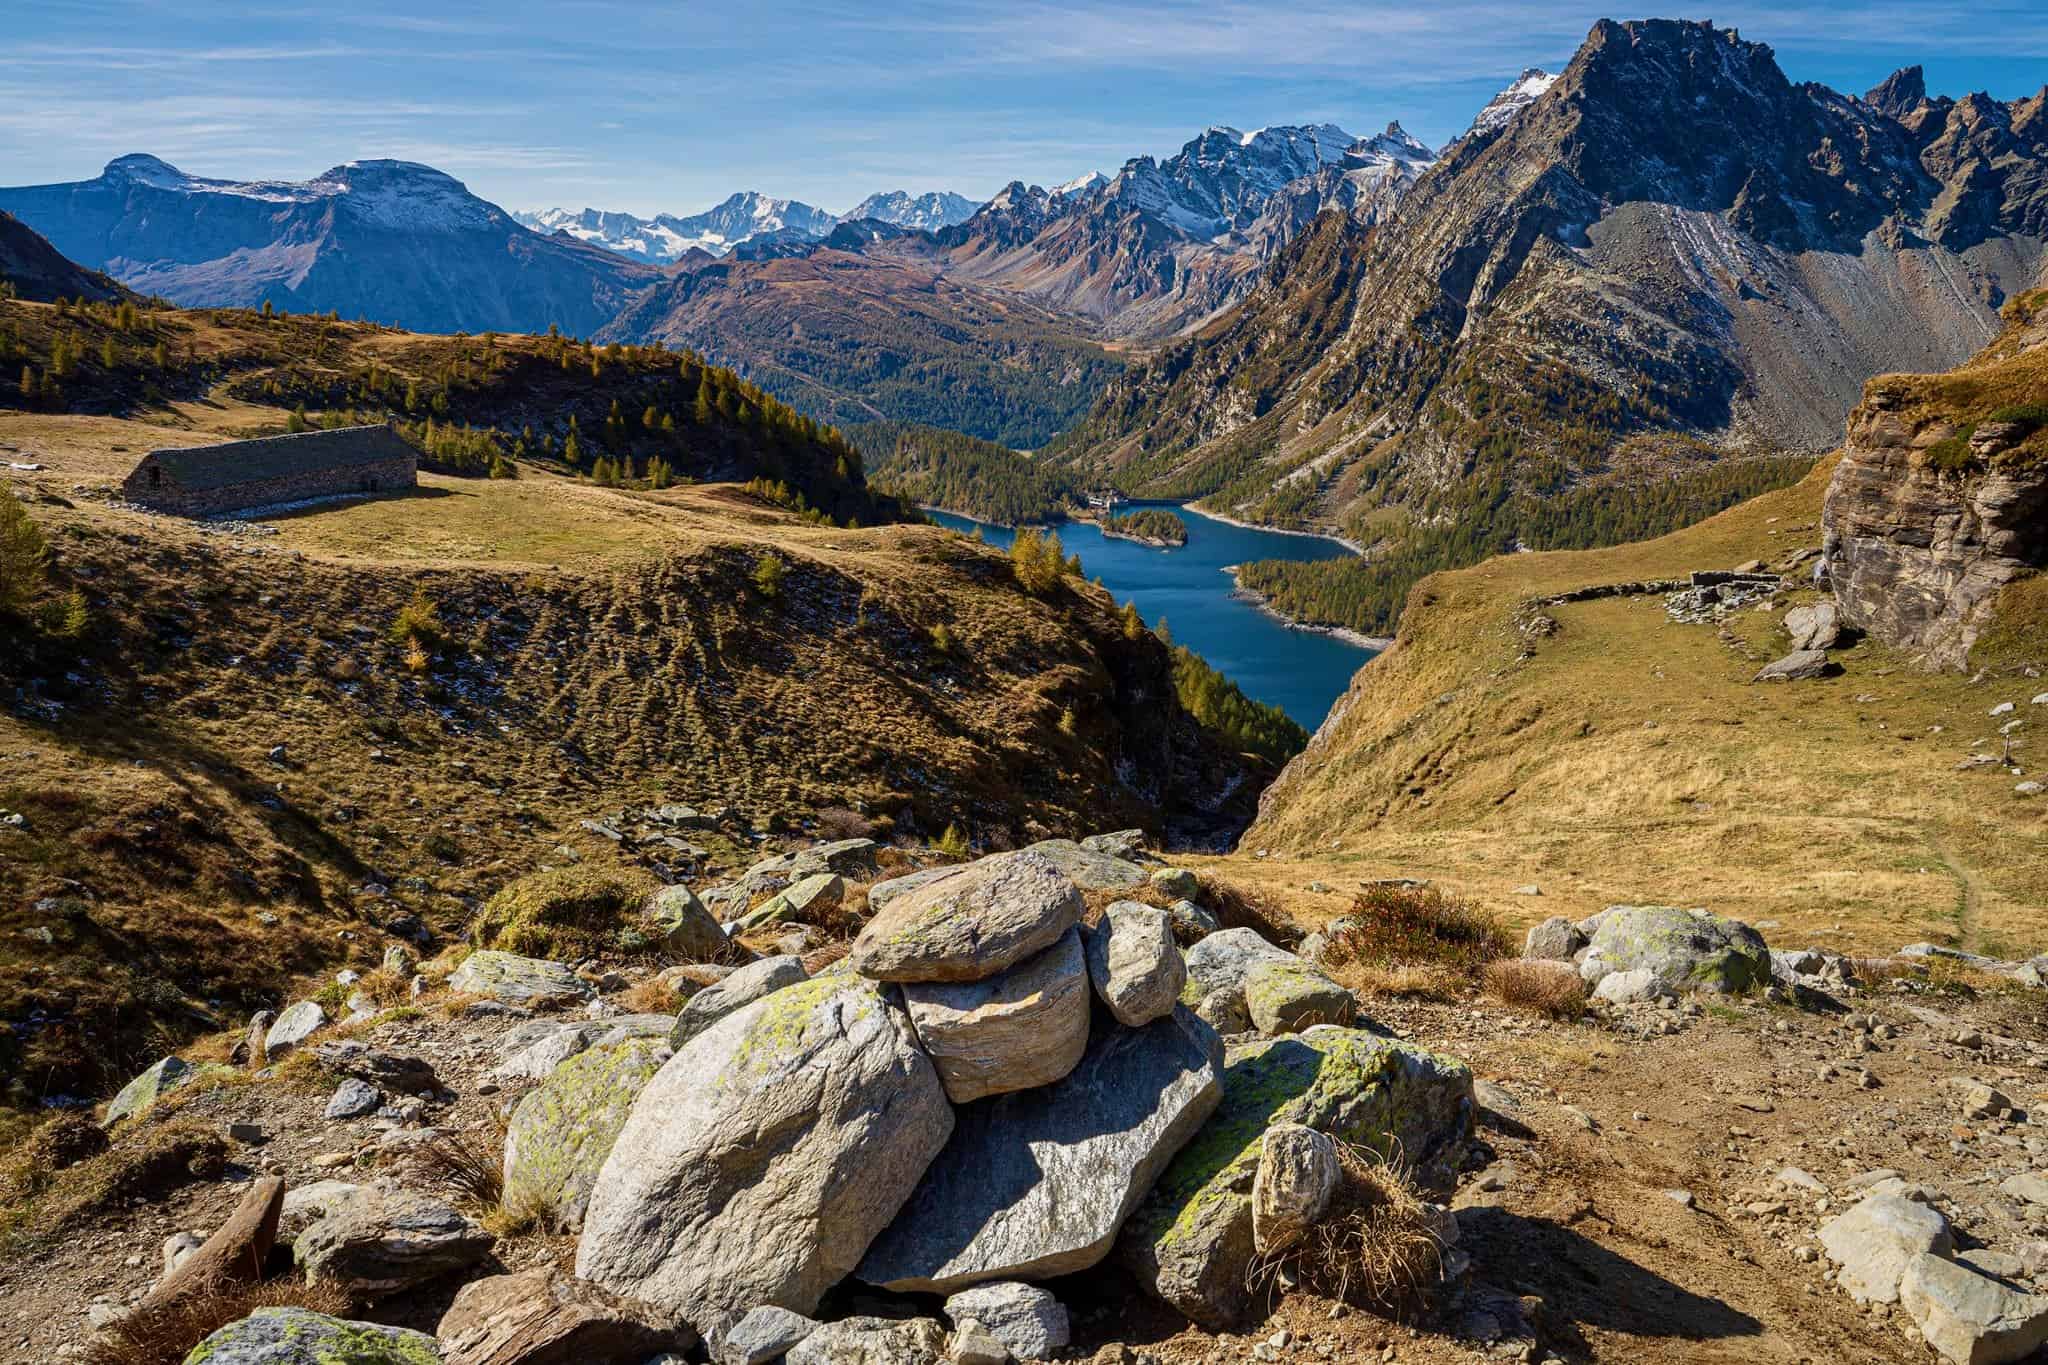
653,996
1238,906
167,1332
1551,988
1393,926
1378,1246
1400,981
469,1169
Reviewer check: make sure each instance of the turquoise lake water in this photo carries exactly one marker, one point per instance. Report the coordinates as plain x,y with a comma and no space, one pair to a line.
1301,671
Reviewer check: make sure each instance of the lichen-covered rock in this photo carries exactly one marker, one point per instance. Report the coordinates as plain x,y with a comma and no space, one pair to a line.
1017,1030
533,1050
563,1129
543,1317
1134,964
1192,923
379,1242
685,927
1027,1320
1689,950
294,1336
1090,868
1177,882
1036,1183
764,1335
762,1159
292,1027
1191,1241
163,1076
1286,997
991,915
1222,960
872,1341
733,993
1127,844
518,980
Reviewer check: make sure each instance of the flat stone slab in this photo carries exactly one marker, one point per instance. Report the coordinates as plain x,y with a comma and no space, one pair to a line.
1035,1184
519,980
1875,1240
1092,869
991,915
1017,1030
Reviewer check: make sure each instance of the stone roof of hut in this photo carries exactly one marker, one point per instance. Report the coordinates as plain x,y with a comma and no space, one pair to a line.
279,457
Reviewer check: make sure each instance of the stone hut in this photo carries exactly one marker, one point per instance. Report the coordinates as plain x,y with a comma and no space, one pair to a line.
236,476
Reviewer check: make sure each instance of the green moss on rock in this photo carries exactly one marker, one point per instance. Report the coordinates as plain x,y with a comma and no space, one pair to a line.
567,912
296,1336
563,1129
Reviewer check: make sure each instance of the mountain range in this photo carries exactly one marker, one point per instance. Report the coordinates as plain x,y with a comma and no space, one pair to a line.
743,219
390,241
1668,253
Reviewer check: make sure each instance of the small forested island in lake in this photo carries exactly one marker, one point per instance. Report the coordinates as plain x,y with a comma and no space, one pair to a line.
1152,525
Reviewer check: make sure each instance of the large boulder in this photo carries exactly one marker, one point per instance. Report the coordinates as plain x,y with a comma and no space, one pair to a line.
380,1242
1191,1241
1026,1319
518,980
764,1335
1688,950
1969,1317
1134,963
991,915
295,1336
1876,1239
533,1050
1816,627
563,1129
543,1317
163,1076
1036,1183
763,1158
1017,1030
1799,666
1092,869
687,929
734,993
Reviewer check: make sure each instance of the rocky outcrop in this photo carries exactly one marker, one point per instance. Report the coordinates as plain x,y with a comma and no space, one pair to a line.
735,993
518,980
1685,950
1941,498
761,1161
1017,1030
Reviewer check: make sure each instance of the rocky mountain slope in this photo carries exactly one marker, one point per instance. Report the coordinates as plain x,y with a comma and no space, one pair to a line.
391,241
668,238
1940,502
1671,252
865,330
33,269
1165,244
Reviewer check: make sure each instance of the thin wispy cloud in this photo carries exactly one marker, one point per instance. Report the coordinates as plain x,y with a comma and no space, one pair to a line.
649,107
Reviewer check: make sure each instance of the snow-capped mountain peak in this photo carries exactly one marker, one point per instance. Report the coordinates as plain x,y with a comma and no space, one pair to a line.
927,212
667,237
1522,92
1081,185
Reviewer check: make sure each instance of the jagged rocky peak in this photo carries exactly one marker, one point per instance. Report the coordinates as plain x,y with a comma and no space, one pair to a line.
1899,93
1522,92
927,212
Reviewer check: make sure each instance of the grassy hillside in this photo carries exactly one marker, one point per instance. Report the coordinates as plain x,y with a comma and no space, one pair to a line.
249,742
1623,757
472,405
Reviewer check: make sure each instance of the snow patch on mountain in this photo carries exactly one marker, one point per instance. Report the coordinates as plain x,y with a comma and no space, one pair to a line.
666,237
1525,90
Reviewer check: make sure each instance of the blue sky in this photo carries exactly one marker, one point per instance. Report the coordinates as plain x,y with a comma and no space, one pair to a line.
649,106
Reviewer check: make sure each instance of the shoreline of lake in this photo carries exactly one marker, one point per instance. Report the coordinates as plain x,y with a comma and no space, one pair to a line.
1378,644
1199,511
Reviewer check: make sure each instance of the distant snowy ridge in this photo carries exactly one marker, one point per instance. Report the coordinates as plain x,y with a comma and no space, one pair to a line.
667,237
1526,89
927,212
